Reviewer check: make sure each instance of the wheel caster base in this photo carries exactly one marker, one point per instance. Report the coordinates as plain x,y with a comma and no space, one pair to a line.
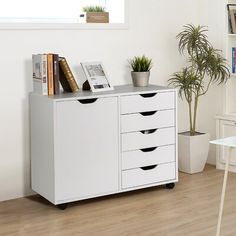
170,185
62,206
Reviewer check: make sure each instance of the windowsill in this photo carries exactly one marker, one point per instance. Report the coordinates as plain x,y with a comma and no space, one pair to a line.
62,26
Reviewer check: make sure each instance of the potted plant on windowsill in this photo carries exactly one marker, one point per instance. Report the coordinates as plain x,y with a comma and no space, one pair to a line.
206,66
141,67
96,14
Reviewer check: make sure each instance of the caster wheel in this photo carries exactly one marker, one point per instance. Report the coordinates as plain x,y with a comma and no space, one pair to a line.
62,206
170,185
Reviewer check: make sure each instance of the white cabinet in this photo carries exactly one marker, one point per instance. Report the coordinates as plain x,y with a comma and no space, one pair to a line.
88,144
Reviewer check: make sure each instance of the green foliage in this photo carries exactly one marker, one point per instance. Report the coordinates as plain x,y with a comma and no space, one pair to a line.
187,83
140,64
206,65
94,9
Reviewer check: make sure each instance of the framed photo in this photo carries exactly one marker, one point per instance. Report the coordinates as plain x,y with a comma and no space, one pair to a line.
96,76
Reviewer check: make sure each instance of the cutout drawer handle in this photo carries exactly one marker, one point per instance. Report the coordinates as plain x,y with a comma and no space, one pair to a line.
149,131
149,167
148,149
87,101
148,113
148,95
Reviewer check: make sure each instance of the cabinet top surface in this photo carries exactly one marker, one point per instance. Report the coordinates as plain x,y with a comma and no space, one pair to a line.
118,90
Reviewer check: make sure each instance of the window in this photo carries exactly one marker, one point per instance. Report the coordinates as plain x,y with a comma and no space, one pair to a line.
57,11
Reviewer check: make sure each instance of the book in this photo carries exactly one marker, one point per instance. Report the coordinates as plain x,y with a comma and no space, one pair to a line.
56,73
232,18
233,59
50,74
64,83
230,29
65,73
39,66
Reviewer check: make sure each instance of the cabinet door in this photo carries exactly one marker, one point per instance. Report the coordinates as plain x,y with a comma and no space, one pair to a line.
86,158
227,129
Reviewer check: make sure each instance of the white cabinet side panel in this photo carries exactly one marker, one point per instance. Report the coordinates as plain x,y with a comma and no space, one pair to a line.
42,165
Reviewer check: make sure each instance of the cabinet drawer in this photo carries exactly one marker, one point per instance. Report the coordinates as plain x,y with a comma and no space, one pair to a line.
148,175
147,120
148,156
154,102
152,138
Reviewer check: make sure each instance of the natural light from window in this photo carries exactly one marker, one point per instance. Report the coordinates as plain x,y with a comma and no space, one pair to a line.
56,11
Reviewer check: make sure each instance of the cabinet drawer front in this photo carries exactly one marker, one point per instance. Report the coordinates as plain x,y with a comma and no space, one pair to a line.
138,140
147,120
147,157
137,103
137,177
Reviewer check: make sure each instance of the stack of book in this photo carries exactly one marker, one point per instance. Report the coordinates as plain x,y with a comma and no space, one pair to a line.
49,71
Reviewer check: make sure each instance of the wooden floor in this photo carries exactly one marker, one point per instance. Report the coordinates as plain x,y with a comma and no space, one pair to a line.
191,209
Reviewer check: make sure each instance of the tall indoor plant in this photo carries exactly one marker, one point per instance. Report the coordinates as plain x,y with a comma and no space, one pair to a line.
205,66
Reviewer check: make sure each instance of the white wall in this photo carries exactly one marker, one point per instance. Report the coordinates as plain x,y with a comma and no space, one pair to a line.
152,30
211,14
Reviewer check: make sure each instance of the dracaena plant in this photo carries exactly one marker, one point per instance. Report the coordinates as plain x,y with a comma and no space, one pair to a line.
205,66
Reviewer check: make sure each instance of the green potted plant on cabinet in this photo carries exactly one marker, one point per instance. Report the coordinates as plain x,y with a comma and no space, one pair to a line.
140,73
206,66
96,14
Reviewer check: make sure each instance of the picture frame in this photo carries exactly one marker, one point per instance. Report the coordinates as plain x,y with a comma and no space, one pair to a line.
96,76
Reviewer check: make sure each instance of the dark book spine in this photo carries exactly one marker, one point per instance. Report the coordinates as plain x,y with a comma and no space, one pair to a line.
68,74
230,28
64,83
56,74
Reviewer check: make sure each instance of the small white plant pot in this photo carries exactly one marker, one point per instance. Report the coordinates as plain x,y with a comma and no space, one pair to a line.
140,79
193,152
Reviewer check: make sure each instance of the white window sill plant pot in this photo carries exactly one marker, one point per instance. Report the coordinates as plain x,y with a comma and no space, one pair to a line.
204,61
96,14
141,67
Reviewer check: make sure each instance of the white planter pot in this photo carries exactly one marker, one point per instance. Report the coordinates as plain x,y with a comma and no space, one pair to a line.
193,152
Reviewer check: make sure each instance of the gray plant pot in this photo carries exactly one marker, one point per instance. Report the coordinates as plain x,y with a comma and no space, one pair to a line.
140,79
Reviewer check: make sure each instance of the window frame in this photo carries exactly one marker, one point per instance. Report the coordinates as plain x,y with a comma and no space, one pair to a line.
67,26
